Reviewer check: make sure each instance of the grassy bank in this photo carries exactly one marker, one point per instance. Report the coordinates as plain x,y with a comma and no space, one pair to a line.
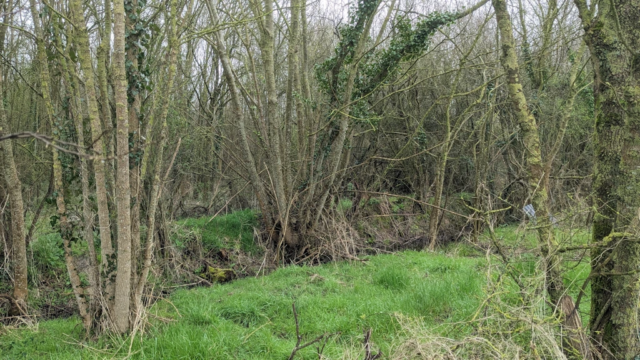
252,318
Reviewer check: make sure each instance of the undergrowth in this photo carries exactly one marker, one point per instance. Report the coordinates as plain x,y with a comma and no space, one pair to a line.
417,305
252,317
221,232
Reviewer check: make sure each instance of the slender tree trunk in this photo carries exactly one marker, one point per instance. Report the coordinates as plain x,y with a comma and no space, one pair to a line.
75,110
434,215
10,172
567,111
103,65
106,245
293,95
277,171
134,89
236,107
123,190
575,340
333,161
156,182
66,229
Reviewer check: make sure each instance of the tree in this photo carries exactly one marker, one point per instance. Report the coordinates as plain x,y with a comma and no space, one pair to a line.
612,35
575,341
10,175
295,176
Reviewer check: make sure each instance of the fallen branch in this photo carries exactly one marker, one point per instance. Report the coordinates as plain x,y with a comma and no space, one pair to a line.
299,337
367,347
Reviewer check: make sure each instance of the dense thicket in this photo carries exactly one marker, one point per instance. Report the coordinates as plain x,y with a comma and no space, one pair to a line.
125,115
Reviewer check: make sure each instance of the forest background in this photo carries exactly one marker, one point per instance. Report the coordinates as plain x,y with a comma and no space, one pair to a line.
338,131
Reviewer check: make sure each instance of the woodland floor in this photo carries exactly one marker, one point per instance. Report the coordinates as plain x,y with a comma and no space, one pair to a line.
252,318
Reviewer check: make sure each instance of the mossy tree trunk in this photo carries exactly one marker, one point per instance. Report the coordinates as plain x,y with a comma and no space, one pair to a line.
575,341
75,110
161,107
108,266
66,228
134,81
10,174
613,36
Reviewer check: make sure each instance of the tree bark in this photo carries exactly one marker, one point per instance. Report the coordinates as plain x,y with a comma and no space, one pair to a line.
75,110
236,107
66,229
123,190
133,98
156,182
612,37
575,341
104,223
10,173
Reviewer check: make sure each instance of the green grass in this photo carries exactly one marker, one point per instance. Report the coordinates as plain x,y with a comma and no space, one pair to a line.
224,231
252,318
575,265
512,235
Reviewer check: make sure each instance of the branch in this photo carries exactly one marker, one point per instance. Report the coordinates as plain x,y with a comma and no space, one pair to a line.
299,337
367,347
470,10
20,74
45,139
49,141
58,13
605,242
417,201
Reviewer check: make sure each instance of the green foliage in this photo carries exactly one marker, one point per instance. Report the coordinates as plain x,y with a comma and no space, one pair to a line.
408,43
138,37
48,254
224,231
344,205
376,67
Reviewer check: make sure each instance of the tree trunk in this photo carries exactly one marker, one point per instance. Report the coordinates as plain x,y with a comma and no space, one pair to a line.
75,110
575,341
123,190
434,215
10,173
156,182
238,113
613,39
133,97
66,229
104,223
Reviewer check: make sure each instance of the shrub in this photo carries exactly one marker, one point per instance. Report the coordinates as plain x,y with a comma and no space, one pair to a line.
48,253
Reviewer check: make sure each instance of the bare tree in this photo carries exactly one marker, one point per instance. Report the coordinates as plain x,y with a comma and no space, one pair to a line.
10,175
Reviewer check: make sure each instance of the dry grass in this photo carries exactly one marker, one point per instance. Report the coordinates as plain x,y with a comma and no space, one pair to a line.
510,323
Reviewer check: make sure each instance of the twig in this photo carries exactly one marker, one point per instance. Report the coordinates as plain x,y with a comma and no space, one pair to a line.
416,201
48,141
367,347
36,215
299,337
227,203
